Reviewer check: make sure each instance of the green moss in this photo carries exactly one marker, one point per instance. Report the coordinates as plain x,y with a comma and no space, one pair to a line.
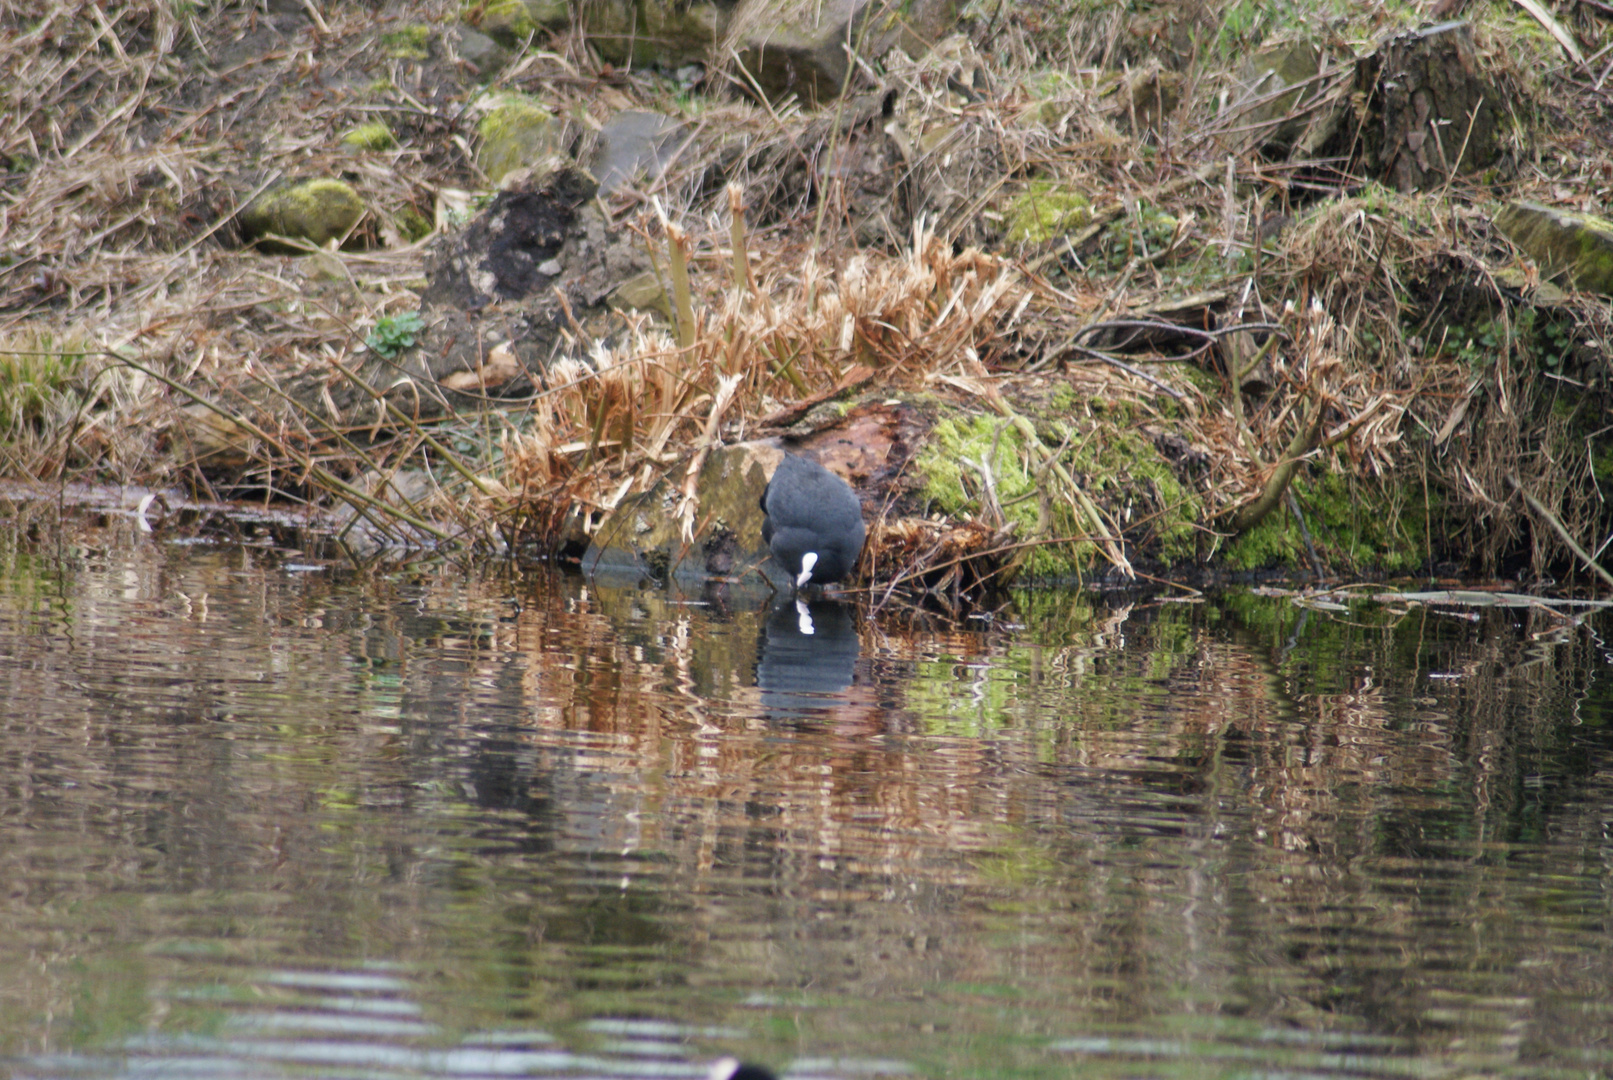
315,210
951,487
1045,210
371,136
1385,532
1602,461
412,225
516,132
1052,91
1124,471
409,43
1593,262
1118,468
508,22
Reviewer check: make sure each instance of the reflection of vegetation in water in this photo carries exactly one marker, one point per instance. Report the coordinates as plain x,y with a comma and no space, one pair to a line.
1076,822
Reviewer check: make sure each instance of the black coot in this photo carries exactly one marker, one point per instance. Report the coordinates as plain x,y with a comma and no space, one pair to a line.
814,522
732,1069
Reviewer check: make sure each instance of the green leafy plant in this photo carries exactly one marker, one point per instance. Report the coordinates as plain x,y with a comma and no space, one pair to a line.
1557,346
394,333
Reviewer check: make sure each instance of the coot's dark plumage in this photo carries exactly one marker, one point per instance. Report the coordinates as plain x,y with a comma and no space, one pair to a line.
732,1069
814,523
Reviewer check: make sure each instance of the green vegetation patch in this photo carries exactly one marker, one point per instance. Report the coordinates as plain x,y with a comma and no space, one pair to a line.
34,381
371,136
409,43
953,463
1385,530
1044,210
1119,469
394,333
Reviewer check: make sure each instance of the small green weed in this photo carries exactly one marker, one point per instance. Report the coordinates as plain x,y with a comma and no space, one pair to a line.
34,380
394,333
460,215
1557,341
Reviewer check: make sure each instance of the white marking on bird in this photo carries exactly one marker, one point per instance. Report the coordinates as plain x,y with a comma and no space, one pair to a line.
808,561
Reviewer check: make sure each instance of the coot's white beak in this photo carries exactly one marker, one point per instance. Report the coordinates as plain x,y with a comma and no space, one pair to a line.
808,561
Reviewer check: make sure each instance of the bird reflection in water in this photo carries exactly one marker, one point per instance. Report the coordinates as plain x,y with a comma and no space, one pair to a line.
807,655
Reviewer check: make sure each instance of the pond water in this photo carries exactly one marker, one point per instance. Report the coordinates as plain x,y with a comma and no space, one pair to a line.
265,814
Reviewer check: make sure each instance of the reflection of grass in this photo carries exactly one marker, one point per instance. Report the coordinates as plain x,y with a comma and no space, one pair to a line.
110,1002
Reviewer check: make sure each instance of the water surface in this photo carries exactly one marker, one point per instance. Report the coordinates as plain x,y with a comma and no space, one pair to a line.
263,814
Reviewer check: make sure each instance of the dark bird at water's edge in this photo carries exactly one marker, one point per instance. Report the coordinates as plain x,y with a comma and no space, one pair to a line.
814,523
733,1069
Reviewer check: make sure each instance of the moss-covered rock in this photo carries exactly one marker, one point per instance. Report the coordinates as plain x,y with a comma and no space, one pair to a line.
1045,210
643,292
317,211
371,136
1386,532
513,23
407,43
645,535
482,53
1579,246
508,22
654,31
550,14
411,224
799,47
1275,83
515,132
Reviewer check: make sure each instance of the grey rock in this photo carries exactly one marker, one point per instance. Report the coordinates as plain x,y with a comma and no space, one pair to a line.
481,52
798,47
634,144
1577,246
